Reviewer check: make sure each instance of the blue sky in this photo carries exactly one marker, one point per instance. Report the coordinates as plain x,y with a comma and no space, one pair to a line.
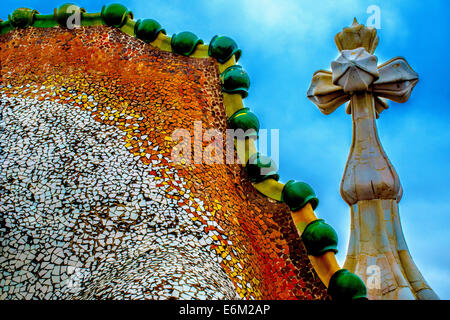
283,43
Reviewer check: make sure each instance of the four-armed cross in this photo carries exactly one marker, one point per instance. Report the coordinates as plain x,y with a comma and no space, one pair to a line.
377,249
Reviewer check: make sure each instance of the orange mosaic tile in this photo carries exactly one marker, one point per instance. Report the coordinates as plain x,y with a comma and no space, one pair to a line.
143,94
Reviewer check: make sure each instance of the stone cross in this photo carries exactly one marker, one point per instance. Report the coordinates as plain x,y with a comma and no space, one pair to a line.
377,250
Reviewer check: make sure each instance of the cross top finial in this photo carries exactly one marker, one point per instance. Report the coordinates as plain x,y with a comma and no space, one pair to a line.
356,36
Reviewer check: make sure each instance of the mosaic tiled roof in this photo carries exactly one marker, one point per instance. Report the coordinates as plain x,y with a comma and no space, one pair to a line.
92,205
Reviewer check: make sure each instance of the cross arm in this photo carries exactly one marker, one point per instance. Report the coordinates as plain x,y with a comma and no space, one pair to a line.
324,94
397,80
393,80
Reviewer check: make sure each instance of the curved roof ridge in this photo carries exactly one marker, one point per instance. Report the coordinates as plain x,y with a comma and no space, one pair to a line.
299,196
118,16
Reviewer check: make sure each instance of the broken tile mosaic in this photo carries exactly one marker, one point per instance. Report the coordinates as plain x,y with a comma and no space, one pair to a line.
92,207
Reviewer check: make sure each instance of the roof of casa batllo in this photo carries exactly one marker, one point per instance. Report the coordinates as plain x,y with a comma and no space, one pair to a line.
93,207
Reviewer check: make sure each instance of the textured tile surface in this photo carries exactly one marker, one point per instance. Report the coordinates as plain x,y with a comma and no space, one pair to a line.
91,206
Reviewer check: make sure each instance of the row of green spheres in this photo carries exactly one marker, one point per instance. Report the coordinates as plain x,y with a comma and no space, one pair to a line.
116,15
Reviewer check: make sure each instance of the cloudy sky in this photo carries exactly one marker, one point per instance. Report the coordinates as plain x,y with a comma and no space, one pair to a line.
283,43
